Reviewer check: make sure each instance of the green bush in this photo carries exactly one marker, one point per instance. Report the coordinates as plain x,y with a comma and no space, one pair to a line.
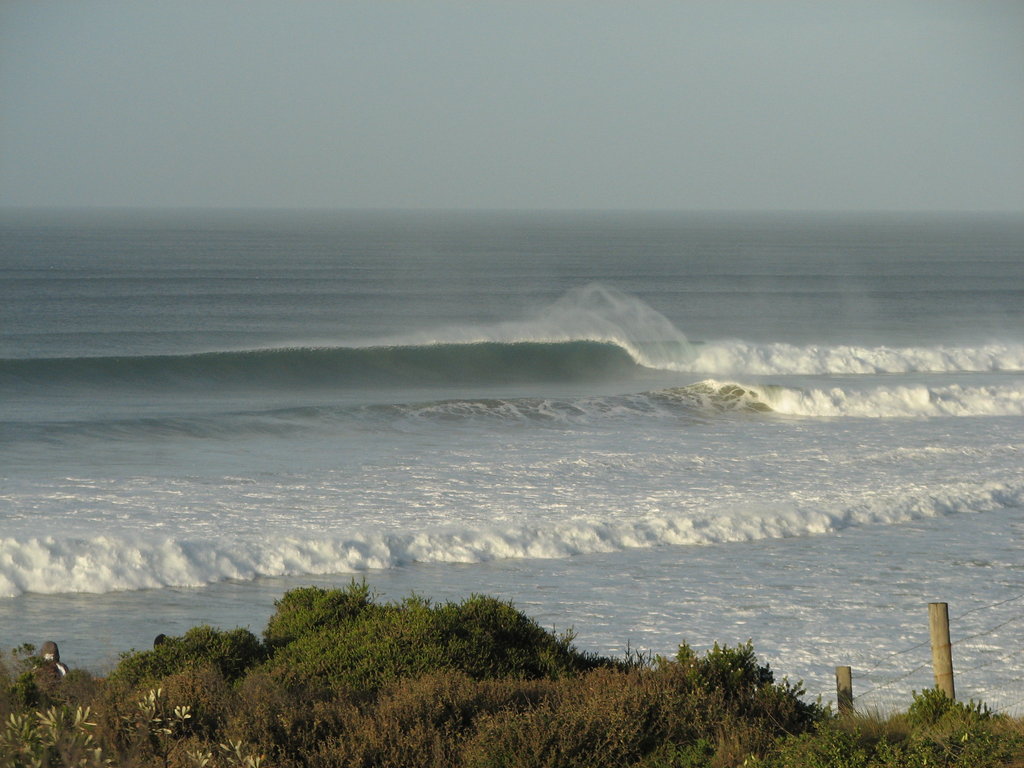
286,720
422,722
604,719
232,653
733,671
728,691
931,706
827,748
26,682
482,636
307,609
669,714
936,732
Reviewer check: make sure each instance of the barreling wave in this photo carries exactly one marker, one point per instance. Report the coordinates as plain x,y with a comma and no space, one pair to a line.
53,564
425,365
490,362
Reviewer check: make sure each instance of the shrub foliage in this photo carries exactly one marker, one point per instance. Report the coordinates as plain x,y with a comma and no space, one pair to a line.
340,680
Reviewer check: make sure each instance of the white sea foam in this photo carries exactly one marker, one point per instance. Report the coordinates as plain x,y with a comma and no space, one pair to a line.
742,357
908,401
903,401
54,564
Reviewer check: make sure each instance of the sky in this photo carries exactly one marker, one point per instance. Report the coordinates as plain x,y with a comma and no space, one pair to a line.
566,104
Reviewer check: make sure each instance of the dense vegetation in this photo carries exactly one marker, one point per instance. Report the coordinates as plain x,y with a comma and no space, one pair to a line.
341,680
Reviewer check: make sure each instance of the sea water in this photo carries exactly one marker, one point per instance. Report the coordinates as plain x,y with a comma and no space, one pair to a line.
653,428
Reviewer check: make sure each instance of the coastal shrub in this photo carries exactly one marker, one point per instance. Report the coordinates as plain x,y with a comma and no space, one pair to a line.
604,719
936,732
670,714
423,721
931,707
833,746
482,636
307,609
733,671
56,736
728,697
285,719
18,689
473,684
25,682
231,652
490,638
829,747
207,695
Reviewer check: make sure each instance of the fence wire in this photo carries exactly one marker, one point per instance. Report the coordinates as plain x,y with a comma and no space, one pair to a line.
966,646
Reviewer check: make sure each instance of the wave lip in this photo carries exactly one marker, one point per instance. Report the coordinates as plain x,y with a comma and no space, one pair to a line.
52,564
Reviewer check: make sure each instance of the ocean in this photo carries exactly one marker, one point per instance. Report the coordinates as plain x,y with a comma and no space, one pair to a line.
652,428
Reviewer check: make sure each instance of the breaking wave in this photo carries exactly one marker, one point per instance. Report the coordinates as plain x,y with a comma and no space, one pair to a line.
908,401
741,357
51,564
593,333
699,401
487,362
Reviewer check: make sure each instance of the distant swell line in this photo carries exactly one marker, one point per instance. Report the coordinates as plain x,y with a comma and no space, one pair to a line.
49,564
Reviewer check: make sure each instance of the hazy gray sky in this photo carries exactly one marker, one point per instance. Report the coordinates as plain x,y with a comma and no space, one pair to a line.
834,104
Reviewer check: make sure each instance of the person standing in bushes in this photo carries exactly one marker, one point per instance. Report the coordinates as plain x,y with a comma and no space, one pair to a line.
51,669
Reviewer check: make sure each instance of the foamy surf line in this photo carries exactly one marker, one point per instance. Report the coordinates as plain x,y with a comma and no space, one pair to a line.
741,357
52,565
900,402
895,402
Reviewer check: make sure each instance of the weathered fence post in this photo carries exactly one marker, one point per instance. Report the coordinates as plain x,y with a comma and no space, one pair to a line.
844,690
942,649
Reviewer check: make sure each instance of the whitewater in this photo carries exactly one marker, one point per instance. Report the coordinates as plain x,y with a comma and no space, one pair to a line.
651,427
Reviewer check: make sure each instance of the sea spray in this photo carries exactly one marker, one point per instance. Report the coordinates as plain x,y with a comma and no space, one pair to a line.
594,313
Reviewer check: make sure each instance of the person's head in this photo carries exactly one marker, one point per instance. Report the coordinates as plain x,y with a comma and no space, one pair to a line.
49,651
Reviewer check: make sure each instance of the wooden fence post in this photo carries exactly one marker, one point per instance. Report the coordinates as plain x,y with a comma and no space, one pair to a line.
844,690
942,649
